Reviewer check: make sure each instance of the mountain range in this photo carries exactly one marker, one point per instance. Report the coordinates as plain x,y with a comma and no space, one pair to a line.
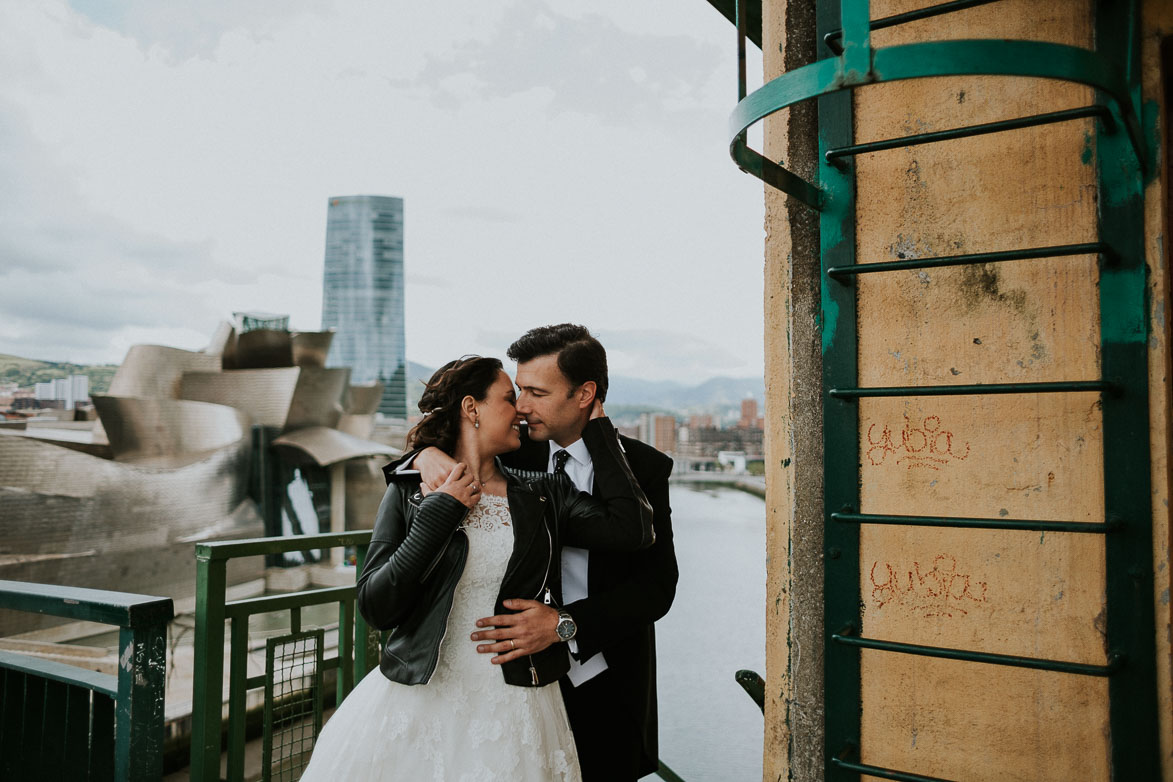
714,395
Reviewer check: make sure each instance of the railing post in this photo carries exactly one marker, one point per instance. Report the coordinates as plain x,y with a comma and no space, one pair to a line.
208,675
237,701
142,668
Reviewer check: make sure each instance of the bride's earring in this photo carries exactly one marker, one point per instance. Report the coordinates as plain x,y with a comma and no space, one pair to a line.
476,424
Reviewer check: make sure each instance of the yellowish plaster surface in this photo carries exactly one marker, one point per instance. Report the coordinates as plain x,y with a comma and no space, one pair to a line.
1018,456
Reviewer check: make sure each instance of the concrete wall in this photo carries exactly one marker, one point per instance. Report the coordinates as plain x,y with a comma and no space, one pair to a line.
793,438
1025,593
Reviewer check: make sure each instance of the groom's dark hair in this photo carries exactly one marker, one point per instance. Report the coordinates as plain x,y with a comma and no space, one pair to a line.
580,356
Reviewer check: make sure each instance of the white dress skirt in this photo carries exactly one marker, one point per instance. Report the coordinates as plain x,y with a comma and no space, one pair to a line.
466,724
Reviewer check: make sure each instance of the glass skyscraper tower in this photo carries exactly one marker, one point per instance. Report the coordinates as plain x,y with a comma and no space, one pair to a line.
362,294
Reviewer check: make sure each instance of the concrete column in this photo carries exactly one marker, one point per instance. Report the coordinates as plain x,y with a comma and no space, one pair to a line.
794,452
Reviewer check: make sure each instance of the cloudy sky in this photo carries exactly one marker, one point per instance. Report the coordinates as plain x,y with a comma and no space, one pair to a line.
164,164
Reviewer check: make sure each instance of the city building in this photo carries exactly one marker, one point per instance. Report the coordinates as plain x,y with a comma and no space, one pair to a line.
701,421
658,431
71,391
749,415
700,447
362,294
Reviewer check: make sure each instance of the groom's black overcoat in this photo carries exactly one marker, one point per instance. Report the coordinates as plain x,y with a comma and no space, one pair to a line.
613,716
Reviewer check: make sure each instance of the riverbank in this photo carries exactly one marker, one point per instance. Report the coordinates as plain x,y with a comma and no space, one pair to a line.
753,484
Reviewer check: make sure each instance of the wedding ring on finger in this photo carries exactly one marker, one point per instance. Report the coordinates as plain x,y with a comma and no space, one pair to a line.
512,645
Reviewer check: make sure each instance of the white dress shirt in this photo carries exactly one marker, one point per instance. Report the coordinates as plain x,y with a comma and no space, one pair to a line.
580,468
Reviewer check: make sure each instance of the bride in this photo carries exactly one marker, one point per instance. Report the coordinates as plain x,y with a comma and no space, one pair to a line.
435,564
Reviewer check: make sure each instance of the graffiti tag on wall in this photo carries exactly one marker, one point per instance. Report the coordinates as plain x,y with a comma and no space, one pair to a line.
942,590
927,446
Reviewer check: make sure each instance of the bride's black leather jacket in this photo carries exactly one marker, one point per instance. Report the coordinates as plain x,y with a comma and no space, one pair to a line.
418,550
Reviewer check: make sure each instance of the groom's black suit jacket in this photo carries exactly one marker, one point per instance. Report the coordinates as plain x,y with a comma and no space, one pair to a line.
627,592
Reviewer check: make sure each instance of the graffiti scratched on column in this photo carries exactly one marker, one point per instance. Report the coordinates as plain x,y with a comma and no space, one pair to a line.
927,446
941,590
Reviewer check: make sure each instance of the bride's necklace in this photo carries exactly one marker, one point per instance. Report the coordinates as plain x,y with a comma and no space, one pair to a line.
492,479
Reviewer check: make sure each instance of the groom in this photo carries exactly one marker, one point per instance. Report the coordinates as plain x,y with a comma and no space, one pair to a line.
610,600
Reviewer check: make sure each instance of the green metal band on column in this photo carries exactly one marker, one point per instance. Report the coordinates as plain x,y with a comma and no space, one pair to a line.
861,65
840,421
1124,318
1115,661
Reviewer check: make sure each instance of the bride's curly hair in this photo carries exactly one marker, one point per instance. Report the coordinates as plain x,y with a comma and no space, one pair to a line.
440,402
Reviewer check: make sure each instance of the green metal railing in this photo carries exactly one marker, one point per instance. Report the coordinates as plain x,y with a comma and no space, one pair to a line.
62,722
301,706
855,63
848,60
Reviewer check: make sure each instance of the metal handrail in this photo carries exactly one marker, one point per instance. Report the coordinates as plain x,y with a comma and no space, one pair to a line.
126,716
213,609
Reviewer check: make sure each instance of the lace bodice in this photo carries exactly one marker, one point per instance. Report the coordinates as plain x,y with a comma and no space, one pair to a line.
466,724
490,543
492,511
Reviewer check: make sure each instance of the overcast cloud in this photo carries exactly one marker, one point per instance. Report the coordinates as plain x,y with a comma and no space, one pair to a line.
168,163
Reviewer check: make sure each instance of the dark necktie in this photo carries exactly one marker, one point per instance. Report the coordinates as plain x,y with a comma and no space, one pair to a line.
560,458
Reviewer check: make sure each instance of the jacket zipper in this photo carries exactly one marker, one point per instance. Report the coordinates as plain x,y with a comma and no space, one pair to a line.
533,672
549,562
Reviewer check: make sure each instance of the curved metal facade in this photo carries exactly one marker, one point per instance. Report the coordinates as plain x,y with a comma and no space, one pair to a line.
81,520
170,463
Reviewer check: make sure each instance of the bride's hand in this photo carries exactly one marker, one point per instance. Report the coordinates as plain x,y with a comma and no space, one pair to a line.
597,410
461,485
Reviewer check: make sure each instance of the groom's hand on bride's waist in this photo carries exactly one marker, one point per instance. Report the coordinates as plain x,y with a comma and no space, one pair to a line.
509,636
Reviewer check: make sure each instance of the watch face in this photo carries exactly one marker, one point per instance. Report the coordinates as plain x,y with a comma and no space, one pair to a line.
566,628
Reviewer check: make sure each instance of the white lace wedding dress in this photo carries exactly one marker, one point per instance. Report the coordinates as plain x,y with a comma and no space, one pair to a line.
466,724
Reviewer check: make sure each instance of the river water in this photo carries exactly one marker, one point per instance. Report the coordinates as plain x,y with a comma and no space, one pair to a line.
710,730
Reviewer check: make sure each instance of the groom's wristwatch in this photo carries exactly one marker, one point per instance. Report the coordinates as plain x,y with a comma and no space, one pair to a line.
566,627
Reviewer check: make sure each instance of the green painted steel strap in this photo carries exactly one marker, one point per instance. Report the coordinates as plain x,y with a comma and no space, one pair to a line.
841,574
667,774
1115,660
1037,59
754,686
776,176
1125,312
975,389
884,773
968,131
832,38
969,522
970,57
844,273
